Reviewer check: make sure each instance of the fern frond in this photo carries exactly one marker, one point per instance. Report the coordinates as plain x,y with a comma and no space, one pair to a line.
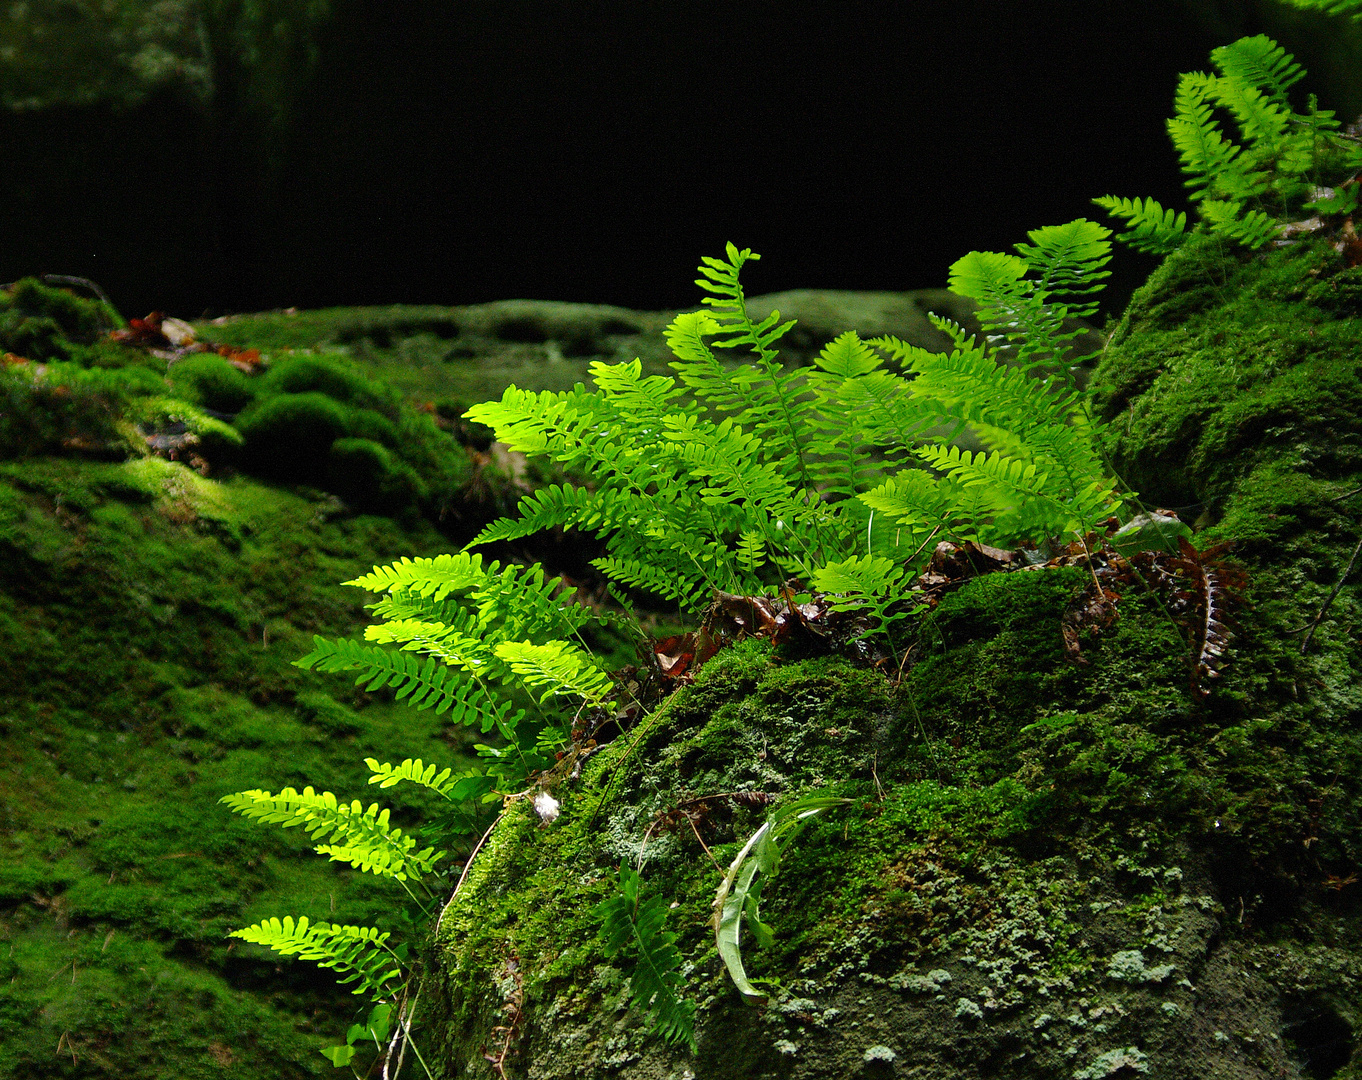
697,365
1150,228
423,685
1260,62
558,667
639,398
729,308
1252,228
1014,487
415,771
974,387
1207,156
449,645
360,952
862,582
768,396
433,578
634,925
860,406
925,505
363,837
847,357
690,590
1068,261
521,598
1261,120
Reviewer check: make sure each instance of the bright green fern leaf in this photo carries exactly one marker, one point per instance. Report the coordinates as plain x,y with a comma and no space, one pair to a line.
361,837
361,953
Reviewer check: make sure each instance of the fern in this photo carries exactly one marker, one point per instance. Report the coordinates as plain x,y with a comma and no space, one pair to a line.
361,837
361,953
633,925
1017,294
763,474
738,898
1246,191
1151,228
557,668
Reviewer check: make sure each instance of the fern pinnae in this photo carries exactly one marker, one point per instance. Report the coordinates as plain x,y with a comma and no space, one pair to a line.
730,315
634,923
361,953
413,770
1150,228
361,837
1261,62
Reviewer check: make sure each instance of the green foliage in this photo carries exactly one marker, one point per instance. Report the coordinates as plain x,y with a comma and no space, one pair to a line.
375,1027
360,953
44,322
739,894
633,925
734,478
363,838
1351,8
1151,228
1283,168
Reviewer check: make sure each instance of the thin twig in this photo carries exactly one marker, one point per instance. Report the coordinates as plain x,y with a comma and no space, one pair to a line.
462,877
1346,571
696,831
1346,495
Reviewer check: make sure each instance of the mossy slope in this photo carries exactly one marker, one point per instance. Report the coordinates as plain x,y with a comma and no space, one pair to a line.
150,616
1047,870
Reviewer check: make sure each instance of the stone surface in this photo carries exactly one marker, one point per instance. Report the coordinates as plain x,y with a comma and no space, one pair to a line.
1162,884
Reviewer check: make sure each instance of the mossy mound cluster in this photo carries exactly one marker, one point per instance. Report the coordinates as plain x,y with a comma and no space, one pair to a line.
303,419
1046,870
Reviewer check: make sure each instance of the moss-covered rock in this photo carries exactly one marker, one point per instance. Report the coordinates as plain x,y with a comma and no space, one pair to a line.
1045,870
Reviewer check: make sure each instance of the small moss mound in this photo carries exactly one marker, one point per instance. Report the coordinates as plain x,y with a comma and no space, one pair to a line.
43,322
212,382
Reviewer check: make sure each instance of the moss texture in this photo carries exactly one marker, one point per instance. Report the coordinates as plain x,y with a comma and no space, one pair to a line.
150,616
1046,870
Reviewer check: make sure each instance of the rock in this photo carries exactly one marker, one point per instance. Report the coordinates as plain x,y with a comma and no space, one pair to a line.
1160,886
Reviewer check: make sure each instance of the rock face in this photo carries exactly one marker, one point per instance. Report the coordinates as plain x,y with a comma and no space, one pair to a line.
1046,869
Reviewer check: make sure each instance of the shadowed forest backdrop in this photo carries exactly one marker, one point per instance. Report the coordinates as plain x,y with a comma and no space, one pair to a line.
223,155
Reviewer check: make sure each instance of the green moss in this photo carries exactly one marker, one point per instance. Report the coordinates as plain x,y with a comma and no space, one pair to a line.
212,382
151,616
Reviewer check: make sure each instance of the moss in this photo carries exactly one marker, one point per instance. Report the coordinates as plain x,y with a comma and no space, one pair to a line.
42,322
212,382
151,616
1046,868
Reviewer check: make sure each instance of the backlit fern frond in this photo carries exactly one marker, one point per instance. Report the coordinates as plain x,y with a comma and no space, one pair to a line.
360,837
415,771
1260,62
557,668
360,953
1252,228
1150,228
1018,296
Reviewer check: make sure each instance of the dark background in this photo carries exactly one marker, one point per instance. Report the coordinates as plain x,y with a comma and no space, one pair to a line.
463,151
